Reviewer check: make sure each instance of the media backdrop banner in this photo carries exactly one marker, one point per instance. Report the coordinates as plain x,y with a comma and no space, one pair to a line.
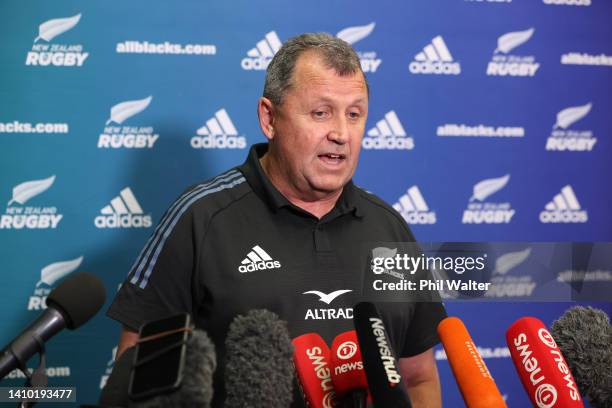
489,121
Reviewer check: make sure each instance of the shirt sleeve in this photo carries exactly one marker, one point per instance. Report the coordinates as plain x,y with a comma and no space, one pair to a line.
422,333
161,282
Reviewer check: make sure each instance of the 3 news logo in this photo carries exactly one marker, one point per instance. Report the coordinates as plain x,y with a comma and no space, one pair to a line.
368,59
124,211
62,54
49,276
18,215
127,137
258,58
388,134
219,132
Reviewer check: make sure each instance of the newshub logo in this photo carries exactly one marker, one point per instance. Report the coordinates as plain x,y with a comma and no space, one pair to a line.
414,209
504,63
368,59
564,208
562,138
58,54
388,134
127,137
259,57
124,211
480,211
327,313
219,132
435,59
49,276
18,215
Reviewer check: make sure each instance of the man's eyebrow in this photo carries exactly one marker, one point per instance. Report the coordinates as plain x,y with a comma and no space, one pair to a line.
332,100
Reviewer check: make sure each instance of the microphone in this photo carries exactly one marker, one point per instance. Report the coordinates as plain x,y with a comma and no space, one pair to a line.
196,388
258,372
312,360
584,335
347,372
473,378
541,366
378,360
76,300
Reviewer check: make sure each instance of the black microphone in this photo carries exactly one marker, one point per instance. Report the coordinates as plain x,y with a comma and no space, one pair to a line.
259,370
584,336
76,300
196,389
378,359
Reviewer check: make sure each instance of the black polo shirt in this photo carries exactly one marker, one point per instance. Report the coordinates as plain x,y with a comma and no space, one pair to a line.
235,243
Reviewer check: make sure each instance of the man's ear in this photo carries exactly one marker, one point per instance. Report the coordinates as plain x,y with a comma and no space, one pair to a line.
265,112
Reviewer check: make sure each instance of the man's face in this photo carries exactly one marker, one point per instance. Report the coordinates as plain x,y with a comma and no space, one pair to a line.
317,130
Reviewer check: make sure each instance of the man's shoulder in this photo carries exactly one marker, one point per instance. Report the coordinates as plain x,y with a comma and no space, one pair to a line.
371,203
215,194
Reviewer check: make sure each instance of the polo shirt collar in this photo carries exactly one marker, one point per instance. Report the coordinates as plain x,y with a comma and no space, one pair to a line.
263,187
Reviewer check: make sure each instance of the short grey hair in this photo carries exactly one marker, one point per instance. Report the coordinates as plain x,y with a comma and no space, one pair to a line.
335,53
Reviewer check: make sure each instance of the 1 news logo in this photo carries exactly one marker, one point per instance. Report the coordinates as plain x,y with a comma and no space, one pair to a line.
43,53
20,216
128,137
49,275
219,132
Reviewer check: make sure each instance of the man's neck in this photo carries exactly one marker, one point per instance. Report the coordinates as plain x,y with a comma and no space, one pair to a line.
317,204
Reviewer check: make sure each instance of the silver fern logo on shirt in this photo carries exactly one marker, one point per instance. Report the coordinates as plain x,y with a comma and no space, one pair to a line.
45,53
257,260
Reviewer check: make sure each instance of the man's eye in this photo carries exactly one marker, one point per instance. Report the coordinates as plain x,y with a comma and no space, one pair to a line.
319,114
354,115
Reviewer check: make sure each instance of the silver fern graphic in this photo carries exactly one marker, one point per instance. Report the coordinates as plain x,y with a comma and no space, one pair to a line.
487,187
568,116
511,260
353,34
55,271
52,28
24,191
509,41
382,252
125,110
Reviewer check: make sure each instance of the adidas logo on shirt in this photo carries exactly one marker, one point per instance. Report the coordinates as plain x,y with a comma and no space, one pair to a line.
259,58
564,208
388,134
124,211
414,209
218,133
435,59
258,260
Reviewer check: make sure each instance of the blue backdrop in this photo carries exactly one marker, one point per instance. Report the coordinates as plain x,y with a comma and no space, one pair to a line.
488,121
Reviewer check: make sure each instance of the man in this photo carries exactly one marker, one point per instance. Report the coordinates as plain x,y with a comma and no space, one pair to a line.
289,221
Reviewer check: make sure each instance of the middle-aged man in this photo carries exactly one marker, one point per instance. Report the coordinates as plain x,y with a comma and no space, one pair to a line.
287,222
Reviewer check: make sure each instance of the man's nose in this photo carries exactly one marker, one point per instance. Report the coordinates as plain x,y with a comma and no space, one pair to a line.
339,133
